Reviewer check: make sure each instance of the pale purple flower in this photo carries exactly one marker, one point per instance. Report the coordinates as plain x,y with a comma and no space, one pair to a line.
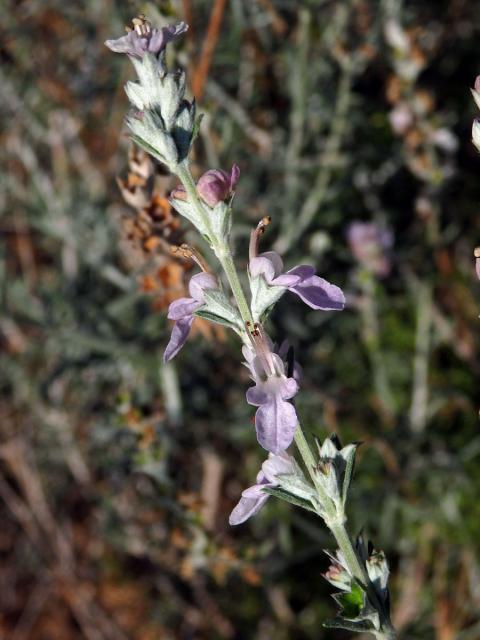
275,419
182,311
143,39
369,244
213,187
316,292
254,497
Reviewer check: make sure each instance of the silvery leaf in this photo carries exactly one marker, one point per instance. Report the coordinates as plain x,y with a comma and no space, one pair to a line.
216,302
263,296
187,211
136,95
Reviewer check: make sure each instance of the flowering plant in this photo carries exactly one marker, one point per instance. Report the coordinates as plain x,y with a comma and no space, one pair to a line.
164,123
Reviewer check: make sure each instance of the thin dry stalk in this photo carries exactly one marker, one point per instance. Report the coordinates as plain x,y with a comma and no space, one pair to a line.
209,43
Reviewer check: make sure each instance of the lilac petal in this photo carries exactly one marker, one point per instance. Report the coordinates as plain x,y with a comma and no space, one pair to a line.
275,423
287,388
257,396
199,282
131,44
256,490
234,176
285,280
248,354
262,267
161,37
275,259
246,508
179,336
320,294
275,465
182,308
303,271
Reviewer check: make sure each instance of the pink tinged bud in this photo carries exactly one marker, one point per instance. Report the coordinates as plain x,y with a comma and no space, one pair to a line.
217,185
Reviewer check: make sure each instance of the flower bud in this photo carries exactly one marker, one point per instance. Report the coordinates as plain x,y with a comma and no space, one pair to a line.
378,570
217,185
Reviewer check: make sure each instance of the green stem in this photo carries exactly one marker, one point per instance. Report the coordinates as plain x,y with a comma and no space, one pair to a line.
333,520
336,523
221,249
225,258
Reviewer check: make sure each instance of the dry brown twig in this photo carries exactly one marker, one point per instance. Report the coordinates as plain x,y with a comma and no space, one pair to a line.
200,74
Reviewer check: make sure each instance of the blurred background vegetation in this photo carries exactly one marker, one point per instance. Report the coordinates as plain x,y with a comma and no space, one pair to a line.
117,474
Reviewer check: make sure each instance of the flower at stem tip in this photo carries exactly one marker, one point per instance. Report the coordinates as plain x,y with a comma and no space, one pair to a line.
143,39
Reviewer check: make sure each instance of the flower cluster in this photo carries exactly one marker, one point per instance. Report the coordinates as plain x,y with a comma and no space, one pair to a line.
163,123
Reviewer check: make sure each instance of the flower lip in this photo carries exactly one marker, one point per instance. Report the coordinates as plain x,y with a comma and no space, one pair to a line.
275,418
253,498
316,292
182,310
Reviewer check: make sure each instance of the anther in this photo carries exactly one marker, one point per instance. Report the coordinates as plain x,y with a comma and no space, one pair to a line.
189,253
141,25
255,236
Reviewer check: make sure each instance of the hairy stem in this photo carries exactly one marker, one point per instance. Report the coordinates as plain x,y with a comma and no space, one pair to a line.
336,523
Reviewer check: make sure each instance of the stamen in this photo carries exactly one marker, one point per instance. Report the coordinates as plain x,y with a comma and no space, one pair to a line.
255,236
141,25
190,253
260,345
